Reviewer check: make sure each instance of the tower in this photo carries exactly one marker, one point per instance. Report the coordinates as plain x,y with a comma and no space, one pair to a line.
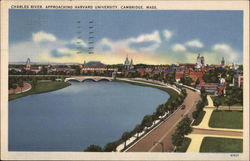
127,63
28,66
222,61
199,61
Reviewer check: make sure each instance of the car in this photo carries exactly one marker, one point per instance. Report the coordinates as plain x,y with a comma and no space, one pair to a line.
183,107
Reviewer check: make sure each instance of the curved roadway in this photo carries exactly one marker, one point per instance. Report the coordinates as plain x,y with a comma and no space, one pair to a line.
159,139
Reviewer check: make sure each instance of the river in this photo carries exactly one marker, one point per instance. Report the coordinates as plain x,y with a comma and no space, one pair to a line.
72,118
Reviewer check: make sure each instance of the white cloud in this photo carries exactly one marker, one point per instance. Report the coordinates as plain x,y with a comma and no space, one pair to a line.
195,43
167,34
228,52
43,37
154,36
78,42
178,48
147,42
221,48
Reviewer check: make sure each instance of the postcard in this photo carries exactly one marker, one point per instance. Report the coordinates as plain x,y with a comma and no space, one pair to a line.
124,80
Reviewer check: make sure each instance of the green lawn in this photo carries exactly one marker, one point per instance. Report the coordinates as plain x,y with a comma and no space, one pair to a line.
222,100
184,146
41,88
199,118
226,119
228,145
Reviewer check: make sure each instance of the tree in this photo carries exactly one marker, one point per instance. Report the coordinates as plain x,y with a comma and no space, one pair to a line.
20,84
154,117
229,101
110,147
184,126
14,86
186,80
195,114
203,90
160,110
93,148
125,137
138,129
147,121
177,138
217,103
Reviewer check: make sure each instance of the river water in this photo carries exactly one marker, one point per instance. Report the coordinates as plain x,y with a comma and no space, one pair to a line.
74,117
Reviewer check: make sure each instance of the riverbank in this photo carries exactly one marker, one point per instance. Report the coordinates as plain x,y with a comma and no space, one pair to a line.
41,87
172,93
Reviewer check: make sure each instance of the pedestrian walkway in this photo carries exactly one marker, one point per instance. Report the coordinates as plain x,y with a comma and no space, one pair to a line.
206,118
210,101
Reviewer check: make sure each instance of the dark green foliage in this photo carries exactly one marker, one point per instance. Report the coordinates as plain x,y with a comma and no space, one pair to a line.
212,76
186,80
110,147
93,148
199,118
147,121
183,128
217,103
177,138
138,129
184,146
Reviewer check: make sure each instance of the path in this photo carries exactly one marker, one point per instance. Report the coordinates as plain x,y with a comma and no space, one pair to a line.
203,129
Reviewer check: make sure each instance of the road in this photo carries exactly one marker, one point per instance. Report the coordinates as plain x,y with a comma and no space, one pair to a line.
162,134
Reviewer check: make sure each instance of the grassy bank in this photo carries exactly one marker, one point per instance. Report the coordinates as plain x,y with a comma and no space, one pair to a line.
172,93
41,87
227,145
226,119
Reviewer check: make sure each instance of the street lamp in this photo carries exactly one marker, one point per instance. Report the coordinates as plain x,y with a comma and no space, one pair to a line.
161,143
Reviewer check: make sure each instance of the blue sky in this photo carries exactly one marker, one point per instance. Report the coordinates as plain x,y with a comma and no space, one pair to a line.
154,37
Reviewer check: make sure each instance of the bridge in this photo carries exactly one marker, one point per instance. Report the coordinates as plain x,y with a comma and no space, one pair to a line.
83,78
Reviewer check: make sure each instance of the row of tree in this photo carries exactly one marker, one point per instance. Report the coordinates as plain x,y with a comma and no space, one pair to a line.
183,128
147,122
201,104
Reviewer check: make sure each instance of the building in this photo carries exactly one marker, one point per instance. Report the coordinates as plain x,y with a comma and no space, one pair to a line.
96,66
238,80
200,61
128,64
28,67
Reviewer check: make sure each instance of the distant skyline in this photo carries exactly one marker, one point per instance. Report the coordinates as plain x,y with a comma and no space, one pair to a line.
152,37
